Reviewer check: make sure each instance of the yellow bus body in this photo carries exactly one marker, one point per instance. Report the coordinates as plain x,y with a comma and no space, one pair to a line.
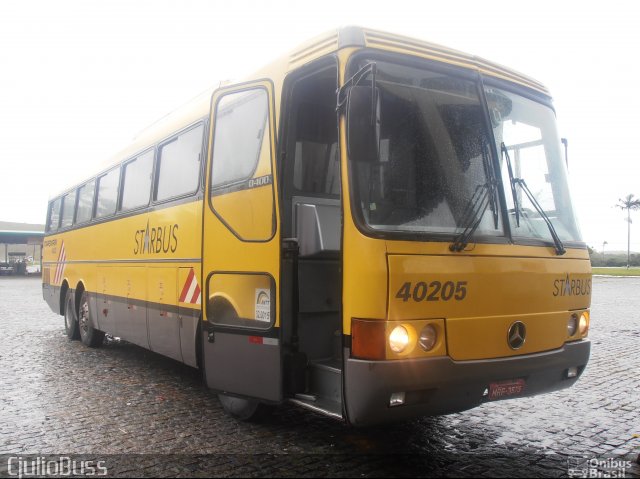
184,263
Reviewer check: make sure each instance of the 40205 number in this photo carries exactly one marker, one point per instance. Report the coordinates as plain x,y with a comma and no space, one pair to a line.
433,291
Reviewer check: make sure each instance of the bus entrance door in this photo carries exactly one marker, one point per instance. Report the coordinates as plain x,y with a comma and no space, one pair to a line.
241,253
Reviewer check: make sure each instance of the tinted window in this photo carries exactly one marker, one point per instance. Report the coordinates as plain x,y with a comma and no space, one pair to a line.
179,165
107,193
85,202
137,181
68,207
54,215
239,129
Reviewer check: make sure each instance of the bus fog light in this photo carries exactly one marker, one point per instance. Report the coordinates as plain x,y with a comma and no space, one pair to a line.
428,337
398,339
583,325
572,325
572,373
397,399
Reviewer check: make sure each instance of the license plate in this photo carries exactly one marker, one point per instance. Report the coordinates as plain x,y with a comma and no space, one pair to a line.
504,389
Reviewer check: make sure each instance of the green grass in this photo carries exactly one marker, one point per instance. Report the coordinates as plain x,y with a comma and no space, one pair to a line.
617,271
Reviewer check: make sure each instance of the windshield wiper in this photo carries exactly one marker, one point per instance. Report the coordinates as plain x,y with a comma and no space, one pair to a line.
482,197
559,247
514,194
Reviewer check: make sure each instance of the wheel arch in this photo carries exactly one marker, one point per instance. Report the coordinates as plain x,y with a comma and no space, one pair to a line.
64,287
80,288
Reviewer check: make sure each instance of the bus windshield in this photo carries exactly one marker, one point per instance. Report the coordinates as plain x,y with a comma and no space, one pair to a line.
435,172
526,136
434,164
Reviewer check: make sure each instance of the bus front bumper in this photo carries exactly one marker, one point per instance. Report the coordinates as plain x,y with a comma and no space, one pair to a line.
440,385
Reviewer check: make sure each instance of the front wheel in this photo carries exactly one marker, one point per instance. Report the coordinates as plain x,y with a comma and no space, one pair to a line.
89,335
250,410
70,317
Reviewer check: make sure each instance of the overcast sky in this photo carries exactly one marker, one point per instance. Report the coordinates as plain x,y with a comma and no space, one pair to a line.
79,79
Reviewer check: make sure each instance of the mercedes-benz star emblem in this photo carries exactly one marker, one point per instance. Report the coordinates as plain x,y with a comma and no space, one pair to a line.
517,335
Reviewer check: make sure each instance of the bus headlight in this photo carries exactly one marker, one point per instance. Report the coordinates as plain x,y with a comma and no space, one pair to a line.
572,325
428,337
398,339
583,324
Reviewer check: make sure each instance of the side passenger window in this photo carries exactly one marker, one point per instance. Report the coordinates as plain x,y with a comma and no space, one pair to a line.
108,193
68,209
54,215
137,182
179,165
85,202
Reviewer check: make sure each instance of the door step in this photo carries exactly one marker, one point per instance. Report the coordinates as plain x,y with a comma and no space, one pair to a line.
325,380
319,405
325,389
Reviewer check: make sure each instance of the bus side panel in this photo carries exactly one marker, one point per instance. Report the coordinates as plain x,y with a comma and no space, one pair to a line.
189,300
189,319
51,290
105,307
131,309
162,317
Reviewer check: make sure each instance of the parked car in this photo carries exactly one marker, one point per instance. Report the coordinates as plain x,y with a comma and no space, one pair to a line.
6,269
33,269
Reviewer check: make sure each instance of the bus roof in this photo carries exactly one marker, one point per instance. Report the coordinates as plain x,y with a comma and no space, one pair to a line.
327,43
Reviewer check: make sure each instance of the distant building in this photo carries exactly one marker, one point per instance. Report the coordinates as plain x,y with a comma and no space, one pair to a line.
21,242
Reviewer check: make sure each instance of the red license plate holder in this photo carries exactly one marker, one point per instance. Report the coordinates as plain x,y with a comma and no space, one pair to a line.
505,389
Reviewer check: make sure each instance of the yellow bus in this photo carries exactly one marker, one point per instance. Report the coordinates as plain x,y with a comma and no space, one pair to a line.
372,227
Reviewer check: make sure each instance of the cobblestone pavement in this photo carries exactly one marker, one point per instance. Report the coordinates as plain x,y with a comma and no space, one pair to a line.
147,415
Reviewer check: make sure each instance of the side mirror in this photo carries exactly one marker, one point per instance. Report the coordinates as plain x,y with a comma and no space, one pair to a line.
363,123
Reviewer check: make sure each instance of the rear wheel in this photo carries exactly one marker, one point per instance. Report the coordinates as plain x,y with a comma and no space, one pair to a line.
89,335
70,317
250,410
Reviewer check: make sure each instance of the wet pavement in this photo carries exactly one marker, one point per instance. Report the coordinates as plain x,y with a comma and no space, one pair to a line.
133,412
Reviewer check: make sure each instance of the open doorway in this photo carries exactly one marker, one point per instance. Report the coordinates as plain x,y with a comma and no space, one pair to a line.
311,205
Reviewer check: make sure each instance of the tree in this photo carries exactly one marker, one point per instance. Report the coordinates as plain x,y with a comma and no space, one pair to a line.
628,203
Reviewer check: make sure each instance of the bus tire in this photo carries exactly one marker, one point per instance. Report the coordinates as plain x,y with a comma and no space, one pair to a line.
249,410
70,317
89,335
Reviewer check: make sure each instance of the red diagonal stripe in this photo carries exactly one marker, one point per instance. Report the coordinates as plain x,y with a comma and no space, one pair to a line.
59,271
196,293
59,265
187,285
61,251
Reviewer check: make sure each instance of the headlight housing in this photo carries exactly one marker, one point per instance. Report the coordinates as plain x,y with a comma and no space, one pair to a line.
583,324
399,339
374,339
572,325
428,337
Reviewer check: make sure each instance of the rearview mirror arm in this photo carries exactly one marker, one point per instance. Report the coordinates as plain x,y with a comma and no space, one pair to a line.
342,95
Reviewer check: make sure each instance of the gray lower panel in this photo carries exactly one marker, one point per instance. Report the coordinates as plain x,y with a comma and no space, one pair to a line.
440,385
131,323
164,333
188,327
51,295
243,365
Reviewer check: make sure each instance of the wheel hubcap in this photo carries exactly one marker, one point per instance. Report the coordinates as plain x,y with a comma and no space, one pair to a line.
84,317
